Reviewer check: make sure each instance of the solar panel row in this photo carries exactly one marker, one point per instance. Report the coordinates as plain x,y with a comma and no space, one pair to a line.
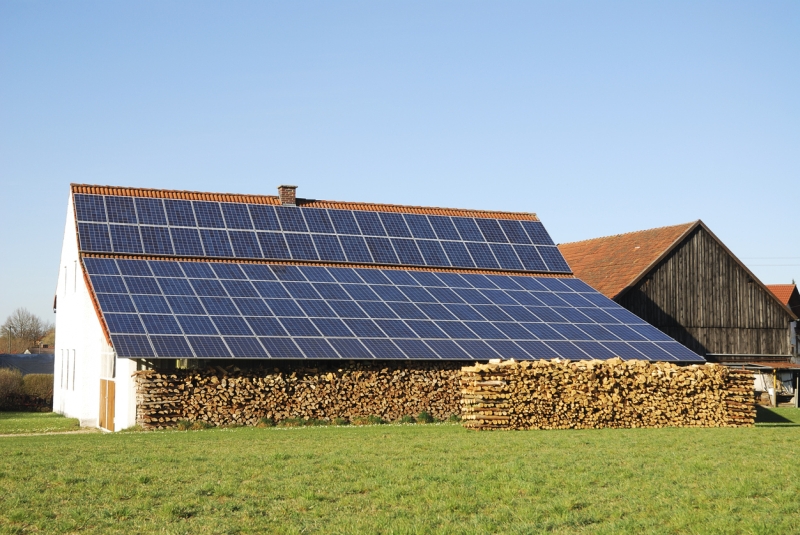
203,309
235,230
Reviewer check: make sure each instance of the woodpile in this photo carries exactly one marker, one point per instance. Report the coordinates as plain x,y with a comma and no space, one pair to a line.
230,395
561,394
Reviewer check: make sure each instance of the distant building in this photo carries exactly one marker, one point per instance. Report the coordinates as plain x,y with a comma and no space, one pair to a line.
788,295
685,281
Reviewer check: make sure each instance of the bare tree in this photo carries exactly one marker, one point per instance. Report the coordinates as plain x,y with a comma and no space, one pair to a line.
23,328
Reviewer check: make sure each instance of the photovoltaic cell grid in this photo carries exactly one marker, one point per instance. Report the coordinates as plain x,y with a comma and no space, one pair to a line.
168,309
141,225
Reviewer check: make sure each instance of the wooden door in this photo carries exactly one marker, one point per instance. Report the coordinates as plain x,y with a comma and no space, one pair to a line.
106,419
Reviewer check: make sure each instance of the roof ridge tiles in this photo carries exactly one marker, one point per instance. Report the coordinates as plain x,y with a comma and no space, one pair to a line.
124,191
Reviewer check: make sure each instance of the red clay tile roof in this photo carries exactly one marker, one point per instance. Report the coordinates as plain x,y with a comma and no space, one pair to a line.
782,291
612,263
310,203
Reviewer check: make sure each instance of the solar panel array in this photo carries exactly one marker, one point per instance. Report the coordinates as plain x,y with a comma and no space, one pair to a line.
193,309
173,227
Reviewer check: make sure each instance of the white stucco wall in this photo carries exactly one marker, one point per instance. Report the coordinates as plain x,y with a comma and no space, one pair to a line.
81,345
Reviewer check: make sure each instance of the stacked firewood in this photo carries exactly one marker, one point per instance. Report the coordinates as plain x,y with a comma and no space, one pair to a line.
226,396
561,394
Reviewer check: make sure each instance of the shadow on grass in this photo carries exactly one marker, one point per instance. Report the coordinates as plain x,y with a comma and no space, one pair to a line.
766,417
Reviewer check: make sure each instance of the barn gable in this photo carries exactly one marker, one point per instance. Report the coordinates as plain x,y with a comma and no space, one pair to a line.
690,286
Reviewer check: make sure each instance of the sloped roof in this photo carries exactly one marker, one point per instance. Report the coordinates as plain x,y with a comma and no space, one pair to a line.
783,291
611,264
204,275
273,200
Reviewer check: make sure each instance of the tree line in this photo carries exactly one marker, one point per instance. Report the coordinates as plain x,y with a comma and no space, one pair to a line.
22,330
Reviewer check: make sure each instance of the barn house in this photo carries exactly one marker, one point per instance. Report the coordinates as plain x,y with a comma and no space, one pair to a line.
684,281
156,279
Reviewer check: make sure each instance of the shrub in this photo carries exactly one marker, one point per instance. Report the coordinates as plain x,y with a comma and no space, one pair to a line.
266,422
183,425
375,420
454,418
313,422
367,420
291,422
425,418
199,424
38,385
340,421
407,419
10,385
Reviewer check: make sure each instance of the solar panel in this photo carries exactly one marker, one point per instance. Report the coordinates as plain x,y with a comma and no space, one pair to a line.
420,226
208,214
236,216
301,247
432,253
395,225
180,213
161,324
263,217
266,326
94,237
125,239
457,254
90,208
208,346
196,309
273,245
318,221
156,240
186,241
291,219
514,231
245,244
198,228
152,304
150,211
382,250
120,209
444,228
369,223
216,243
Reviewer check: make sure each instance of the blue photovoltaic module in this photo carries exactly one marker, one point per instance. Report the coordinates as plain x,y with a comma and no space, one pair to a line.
172,227
196,309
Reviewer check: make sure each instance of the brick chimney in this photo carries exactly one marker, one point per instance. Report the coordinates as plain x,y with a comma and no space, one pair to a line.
287,195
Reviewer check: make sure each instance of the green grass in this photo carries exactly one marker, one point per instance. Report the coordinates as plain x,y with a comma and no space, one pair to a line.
405,479
35,422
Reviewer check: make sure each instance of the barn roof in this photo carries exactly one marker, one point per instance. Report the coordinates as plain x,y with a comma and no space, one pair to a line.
205,275
612,263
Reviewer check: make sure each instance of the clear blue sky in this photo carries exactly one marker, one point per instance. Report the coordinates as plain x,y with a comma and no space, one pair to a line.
601,117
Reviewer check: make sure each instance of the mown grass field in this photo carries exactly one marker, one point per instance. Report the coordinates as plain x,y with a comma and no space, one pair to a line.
406,479
35,422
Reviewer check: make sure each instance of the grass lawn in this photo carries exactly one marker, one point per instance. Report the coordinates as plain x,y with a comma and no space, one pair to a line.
35,422
406,479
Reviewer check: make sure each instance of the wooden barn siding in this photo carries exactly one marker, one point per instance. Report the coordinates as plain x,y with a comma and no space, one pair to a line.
700,296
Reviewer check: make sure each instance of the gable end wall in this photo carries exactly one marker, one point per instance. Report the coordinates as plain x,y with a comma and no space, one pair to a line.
703,298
